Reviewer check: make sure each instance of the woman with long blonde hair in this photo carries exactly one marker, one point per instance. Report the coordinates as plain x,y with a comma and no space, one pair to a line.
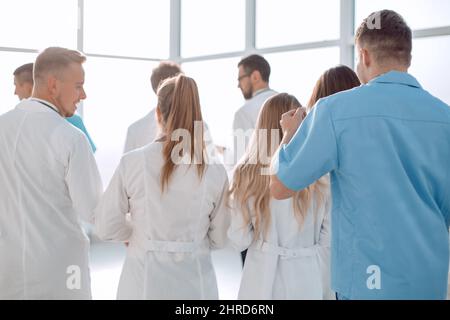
173,201
288,241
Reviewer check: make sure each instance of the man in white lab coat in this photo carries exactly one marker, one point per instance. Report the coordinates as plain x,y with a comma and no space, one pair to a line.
253,80
49,181
144,130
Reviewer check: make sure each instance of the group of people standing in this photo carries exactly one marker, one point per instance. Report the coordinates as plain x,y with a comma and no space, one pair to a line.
347,197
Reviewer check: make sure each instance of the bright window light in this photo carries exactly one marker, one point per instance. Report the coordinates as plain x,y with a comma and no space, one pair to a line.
118,93
284,22
219,95
209,27
38,24
297,72
137,28
419,14
433,74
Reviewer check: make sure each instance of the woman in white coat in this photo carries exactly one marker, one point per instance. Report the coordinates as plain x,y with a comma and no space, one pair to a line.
175,206
288,241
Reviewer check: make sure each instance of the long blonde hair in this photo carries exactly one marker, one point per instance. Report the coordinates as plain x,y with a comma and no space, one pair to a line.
179,106
248,181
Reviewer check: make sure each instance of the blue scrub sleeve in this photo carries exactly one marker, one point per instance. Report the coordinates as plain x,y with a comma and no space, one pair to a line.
311,153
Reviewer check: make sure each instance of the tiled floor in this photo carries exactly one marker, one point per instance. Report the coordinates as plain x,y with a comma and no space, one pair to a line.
107,260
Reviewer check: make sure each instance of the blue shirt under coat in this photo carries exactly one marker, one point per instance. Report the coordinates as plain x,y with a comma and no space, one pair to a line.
77,121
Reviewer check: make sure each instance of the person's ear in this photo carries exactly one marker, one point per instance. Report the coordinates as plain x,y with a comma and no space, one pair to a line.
52,85
366,57
255,76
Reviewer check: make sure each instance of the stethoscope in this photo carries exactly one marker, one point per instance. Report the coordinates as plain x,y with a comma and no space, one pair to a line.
45,104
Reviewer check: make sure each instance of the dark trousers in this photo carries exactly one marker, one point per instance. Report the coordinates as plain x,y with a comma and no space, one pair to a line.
243,255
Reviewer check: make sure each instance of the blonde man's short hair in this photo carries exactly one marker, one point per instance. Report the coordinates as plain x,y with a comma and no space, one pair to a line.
53,60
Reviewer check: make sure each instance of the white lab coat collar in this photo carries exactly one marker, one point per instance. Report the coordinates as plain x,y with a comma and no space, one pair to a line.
259,91
34,105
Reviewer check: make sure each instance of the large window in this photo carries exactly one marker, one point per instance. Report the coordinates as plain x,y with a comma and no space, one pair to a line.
138,28
433,74
219,95
118,93
419,14
38,24
297,72
286,22
210,27
124,40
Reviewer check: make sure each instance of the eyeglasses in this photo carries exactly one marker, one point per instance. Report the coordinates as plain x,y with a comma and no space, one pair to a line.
243,76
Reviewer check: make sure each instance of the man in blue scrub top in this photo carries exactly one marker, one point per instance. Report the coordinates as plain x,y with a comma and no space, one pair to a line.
386,146
23,82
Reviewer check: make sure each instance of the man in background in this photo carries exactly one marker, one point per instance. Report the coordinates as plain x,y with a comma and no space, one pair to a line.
23,81
144,130
253,80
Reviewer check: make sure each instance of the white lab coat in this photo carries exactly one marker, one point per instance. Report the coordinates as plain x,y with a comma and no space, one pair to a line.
170,234
141,132
145,130
290,263
244,122
49,180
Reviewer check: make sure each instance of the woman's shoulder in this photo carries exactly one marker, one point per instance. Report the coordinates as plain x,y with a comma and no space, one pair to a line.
216,170
152,147
150,151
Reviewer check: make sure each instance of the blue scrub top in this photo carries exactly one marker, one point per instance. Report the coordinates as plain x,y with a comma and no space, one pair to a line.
76,121
387,147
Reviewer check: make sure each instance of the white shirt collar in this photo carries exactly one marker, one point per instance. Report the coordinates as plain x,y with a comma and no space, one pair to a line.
260,91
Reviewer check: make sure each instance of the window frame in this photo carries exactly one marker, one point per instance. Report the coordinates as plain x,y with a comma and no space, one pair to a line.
345,42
